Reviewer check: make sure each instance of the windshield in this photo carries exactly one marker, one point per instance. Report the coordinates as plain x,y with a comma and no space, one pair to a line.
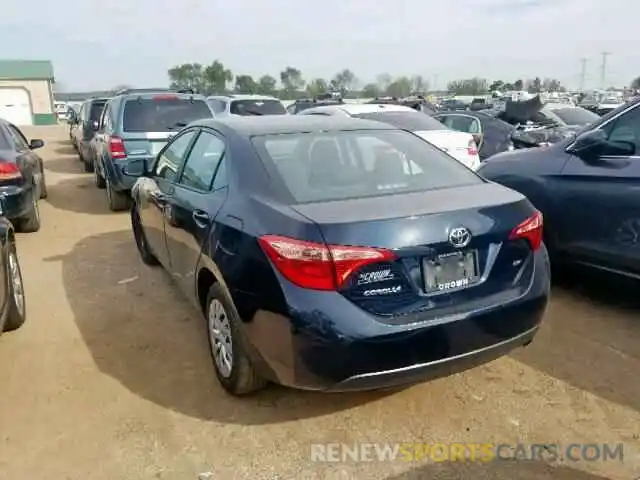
576,115
326,166
257,107
412,121
161,114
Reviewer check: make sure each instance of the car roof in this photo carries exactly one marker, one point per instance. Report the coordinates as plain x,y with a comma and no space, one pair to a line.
281,124
243,96
359,108
151,94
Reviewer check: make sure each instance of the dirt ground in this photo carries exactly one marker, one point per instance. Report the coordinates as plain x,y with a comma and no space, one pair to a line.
110,377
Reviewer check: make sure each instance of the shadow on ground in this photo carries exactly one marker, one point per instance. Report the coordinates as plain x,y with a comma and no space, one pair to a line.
141,332
591,336
66,164
79,194
65,149
496,470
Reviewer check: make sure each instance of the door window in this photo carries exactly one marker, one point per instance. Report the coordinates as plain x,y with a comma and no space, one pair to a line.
19,139
463,123
202,162
218,106
626,129
169,161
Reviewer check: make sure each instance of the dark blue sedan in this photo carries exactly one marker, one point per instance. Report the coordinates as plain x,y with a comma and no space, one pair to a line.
339,254
588,188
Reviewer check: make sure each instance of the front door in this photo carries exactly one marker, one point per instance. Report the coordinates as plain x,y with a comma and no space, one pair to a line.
601,199
196,200
154,192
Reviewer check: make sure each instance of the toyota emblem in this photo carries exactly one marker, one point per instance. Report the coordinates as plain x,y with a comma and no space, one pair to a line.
459,237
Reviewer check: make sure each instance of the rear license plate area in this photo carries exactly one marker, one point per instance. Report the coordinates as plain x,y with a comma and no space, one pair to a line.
450,271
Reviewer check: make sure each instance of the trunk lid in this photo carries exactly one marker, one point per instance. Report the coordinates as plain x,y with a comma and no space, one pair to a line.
417,227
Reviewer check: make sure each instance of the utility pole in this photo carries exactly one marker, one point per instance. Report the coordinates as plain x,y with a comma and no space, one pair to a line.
583,73
603,70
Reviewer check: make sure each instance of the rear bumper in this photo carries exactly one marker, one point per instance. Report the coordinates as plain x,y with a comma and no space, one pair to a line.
327,343
18,200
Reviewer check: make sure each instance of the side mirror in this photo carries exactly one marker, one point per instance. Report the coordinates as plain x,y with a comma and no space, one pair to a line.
95,126
36,143
136,168
593,144
71,117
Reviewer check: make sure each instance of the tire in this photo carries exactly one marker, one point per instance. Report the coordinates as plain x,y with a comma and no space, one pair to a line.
139,236
98,180
240,378
87,166
43,184
17,312
31,221
117,201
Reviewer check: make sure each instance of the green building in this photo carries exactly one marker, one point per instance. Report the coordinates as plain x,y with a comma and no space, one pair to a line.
26,92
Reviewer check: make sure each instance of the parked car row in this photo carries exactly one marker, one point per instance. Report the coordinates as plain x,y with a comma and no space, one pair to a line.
353,246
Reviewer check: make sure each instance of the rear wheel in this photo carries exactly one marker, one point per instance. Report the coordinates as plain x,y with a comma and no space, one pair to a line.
116,200
147,257
31,221
231,362
98,179
87,165
17,313
43,183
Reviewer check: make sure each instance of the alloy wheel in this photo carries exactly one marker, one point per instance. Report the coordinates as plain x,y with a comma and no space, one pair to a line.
16,282
220,335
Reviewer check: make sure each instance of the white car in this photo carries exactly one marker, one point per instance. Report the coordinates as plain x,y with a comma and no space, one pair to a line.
246,105
460,145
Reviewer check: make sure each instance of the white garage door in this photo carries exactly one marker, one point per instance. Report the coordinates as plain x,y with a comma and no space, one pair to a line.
15,106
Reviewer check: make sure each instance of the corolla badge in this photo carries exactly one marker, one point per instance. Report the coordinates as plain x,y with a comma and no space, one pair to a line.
382,291
459,237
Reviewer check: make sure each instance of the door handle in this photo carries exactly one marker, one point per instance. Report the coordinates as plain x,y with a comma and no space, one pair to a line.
201,218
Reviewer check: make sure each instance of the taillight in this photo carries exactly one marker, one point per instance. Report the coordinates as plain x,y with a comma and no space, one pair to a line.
472,149
9,171
530,230
318,266
116,148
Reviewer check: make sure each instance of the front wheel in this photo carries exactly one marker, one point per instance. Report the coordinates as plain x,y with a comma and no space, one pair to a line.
233,366
148,258
116,200
16,305
98,179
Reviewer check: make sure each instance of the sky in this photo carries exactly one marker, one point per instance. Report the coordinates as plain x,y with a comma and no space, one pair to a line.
99,44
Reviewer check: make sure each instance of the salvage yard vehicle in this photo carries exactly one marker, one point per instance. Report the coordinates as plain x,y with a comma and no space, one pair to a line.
83,129
587,187
246,105
333,253
136,124
460,145
13,311
22,177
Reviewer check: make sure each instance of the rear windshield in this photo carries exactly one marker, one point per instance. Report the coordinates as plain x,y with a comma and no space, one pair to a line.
325,166
412,121
162,114
576,115
257,107
96,111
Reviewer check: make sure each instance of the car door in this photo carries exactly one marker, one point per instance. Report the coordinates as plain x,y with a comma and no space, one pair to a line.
28,162
193,205
153,192
600,202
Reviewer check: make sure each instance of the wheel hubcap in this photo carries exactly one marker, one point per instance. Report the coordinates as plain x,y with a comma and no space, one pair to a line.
220,334
16,283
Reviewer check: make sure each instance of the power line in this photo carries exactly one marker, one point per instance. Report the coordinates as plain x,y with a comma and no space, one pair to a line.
583,73
603,70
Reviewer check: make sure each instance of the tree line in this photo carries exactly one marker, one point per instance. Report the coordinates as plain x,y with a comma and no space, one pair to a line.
215,78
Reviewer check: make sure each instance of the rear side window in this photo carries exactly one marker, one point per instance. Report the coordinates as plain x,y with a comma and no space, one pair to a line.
96,111
161,114
412,121
325,166
257,107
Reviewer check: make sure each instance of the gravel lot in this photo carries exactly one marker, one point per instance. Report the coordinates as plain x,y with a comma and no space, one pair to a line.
110,377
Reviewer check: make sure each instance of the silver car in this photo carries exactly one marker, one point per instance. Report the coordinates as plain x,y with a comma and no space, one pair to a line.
246,105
